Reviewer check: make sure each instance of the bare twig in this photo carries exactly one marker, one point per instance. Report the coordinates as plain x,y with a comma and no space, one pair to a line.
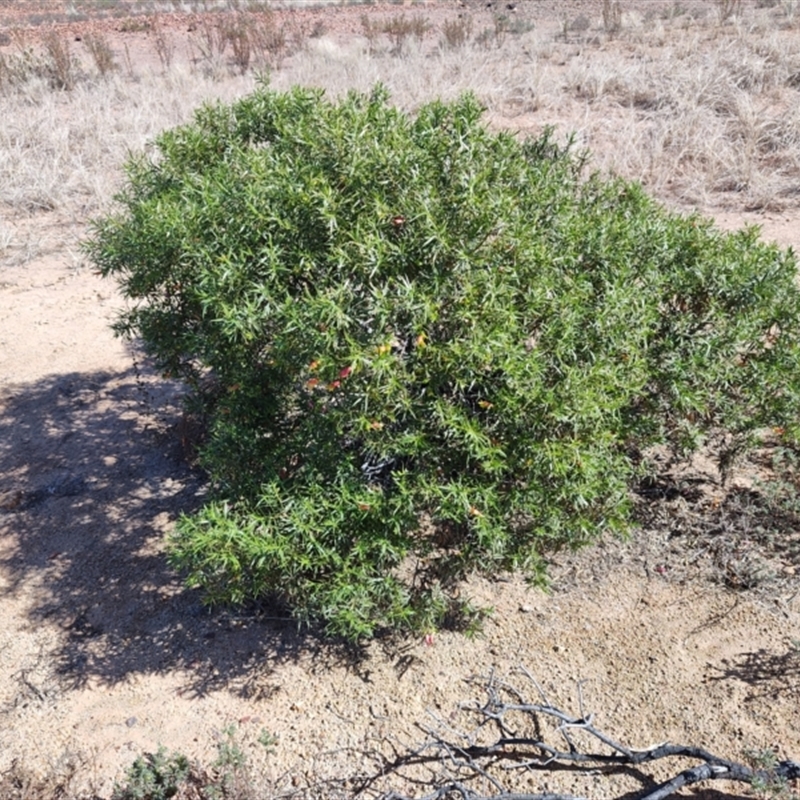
464,758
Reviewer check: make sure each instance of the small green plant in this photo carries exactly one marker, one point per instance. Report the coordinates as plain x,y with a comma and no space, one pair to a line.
781,490
154,776
163,775
765,782
425,349
267,740
229,768
230,755
231,771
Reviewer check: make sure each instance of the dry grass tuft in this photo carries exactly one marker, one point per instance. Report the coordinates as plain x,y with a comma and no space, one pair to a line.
456,32
101,52
62,65
237,42
164,45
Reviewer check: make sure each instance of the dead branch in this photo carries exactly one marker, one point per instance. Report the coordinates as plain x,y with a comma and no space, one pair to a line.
511,733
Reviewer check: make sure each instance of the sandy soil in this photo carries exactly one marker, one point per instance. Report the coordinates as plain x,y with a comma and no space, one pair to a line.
103,654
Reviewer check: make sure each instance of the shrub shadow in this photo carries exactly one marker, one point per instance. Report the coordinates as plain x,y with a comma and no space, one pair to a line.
772,673
92,474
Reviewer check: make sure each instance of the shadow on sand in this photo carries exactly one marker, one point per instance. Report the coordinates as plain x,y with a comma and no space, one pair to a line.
769,673
91,478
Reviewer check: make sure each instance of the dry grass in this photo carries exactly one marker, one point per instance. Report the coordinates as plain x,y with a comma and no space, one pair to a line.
702,113
101,52
75,167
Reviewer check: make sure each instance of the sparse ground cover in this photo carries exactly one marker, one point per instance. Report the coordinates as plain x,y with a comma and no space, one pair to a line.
685,633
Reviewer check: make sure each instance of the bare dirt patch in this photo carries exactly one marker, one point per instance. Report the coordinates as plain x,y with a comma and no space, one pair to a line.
103,654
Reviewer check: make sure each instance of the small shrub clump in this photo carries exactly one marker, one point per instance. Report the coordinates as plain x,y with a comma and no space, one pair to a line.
425,349
155,776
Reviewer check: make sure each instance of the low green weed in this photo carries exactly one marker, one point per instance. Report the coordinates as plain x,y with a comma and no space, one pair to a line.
766,783
163,775
154,776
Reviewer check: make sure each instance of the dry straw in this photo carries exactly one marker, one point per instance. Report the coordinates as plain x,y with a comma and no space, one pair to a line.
703,113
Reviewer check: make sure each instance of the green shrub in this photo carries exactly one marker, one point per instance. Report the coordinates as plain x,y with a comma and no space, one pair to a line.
424,348
154,776
163,775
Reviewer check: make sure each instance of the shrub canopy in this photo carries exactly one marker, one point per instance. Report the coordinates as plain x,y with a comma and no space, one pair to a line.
424,348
